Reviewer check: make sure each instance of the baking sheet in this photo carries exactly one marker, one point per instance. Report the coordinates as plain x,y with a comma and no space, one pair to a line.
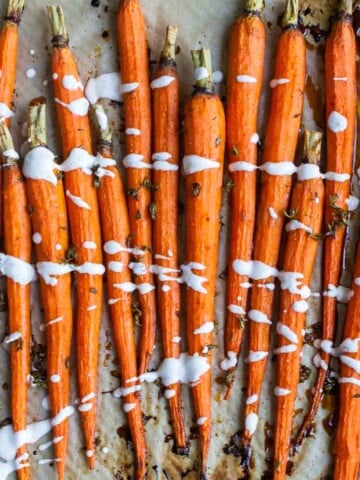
93,40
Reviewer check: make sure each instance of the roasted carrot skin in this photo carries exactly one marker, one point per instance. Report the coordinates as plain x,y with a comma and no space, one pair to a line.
85,227
340,55
245,56
49,220
347,437
280,145
17,243
115,228
166,114
300,254
204,123
137,112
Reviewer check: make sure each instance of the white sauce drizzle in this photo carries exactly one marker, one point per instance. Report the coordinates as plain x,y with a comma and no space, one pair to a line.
300,306
352,380
37,238
201,420
112,247
352,202
281,392
129,87
162,81
259,317
286,332
69,82
251,422
341,293
79,107
236,309
245,79
78,201
256,356
207,327
191,279
196,163
89,245
275,82
133,131
55,378
285,349
229,362
255,138
161,162
107,85
116,267
252,399
254,269
273,213
5,111
296,225
18,270
337,122
135,160
169,393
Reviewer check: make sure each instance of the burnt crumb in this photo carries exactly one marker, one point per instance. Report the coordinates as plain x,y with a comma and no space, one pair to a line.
304,373
194,433
5,386
105,35
147,418
310,431
6,421
124,433
331,385
95,3
315,333
236,448
106,8
177,50
329,424
168,437
183,451
289,467
3,302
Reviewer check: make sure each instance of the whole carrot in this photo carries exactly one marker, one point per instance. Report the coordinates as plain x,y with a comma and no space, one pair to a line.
347,437
115,230
300,252
9,39
166,106
72,114
51,238
279,152
15,265
244,81
340,80
204,125
137,112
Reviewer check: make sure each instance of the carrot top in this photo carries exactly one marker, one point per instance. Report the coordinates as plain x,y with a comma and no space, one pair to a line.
254,6
58,27
6,143
14,10
105,136
345,8
312,146
37,122
167,56
291,14
202,63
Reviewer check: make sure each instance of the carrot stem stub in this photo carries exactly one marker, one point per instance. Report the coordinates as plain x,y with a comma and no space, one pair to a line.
204,124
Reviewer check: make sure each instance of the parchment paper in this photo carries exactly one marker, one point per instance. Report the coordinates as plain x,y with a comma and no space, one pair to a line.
93,39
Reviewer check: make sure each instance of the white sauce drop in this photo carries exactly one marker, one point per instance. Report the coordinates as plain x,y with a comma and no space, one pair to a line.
241,166
176,339
30,73
102,120
273,213
207,327
286,332
236,309
259,317
229,362
201,73
133,131
278,81
256,356
218,76
192,280
285,349
342,294
135,160
116,267
337,122
296,225
127,407
78,201
169,393
254,269
300,306
69,82
55,378
37,238
252,399
255,138
352,202
129,87
251,422
201,420
89,245
161,162
281,392
245,79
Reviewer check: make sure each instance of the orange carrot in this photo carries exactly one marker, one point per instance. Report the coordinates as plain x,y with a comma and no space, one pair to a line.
137,111
347,438
15,265
115,229
72,114
307,201
50,227
9,39
340,78
166,105
279,152
204,130
244,81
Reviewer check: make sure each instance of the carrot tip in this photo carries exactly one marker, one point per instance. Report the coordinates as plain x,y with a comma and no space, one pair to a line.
291,13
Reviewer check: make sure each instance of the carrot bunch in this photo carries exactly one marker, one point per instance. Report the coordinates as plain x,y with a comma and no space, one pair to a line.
244,80
137,112
15,264
340,82
204,135
307,201
115,230
81,198
279,152
51,238
166,113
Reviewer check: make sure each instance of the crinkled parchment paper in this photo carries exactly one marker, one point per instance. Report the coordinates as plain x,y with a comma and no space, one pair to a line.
93,40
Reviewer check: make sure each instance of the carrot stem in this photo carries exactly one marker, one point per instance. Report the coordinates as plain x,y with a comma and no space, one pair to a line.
345,7
254,5
291,13
37,123
6,142
202,60
57,23
312,146
14,10
168,52
105,133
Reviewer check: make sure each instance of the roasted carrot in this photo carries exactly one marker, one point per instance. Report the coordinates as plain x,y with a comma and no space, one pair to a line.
166,106
115,230
244,81
347,438
15,265
137,112
9,39
340,82
307,200
204,134
279,152
72,114
51,238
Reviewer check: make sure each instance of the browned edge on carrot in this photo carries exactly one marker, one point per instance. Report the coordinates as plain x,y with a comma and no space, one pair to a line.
17,246
347,437
204,145
115,230
51,238
244,81
134,67
166,112
340,54
9,39
301,247
279,152
81,198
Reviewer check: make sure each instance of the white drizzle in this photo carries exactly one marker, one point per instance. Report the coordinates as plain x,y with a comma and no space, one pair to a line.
78,201
229,362
285,349
256,356
107,85
69,82
252,399
196,163
5,111
162,81
133,131
245,79
79,107
273,213
281,392
135,160
259,317
341,293
251,422
236,309
161,162
296,225
286,332
18,270
275,82
207,327
337,122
